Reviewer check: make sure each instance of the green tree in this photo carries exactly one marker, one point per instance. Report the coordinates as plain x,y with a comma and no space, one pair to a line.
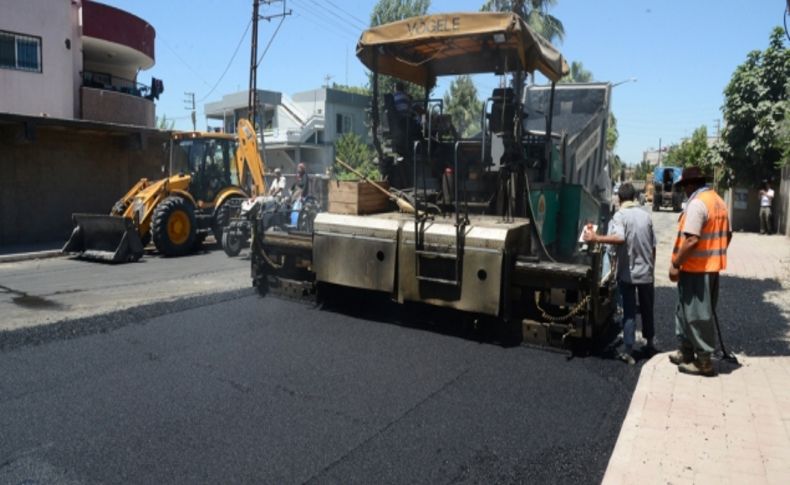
784,136
755,107
351,149
534,12
642,170
692,151
163,123
464,107
577,74
386,11
363,90
612,133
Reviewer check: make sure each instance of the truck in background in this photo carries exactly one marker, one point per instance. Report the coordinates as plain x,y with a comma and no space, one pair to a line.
665,193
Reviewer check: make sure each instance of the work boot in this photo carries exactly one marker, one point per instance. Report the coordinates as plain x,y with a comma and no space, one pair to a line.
703,366
682,355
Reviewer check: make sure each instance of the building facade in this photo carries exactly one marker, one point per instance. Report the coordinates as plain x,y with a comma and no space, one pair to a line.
297,129
78,61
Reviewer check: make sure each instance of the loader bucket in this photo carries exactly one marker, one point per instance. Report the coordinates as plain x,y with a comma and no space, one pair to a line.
112,239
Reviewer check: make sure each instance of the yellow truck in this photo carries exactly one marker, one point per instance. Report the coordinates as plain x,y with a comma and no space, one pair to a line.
210,175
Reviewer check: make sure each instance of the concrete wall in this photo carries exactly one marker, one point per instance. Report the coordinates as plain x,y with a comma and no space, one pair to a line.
48,171
54,90
782,203
114,107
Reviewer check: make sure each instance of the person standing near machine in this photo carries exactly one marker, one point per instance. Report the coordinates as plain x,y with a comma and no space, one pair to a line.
766,200
699,255
631,231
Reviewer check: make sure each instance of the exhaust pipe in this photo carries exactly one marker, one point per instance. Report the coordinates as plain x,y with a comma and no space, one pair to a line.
111,239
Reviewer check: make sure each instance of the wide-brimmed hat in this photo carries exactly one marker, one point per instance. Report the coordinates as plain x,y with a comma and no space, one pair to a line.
691,174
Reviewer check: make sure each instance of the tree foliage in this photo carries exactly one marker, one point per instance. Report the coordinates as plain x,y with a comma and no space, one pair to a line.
577,74
351,149
163,123
534,12
363,90
642,170
386,11
755,109
692,151
464,107
612,133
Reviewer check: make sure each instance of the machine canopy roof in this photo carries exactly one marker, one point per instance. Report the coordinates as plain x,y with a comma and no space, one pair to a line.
419,49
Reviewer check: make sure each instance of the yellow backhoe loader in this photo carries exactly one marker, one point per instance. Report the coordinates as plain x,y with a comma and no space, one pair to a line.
210,175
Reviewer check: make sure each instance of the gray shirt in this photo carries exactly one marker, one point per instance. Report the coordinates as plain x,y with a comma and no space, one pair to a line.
634,258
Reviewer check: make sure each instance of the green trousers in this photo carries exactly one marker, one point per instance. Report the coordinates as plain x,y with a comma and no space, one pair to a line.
694,317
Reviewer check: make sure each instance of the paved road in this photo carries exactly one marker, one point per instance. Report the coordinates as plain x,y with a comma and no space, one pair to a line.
272,391
37,292
251,389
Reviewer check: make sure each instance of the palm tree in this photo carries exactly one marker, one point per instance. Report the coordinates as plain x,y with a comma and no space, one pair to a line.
577,74
534,12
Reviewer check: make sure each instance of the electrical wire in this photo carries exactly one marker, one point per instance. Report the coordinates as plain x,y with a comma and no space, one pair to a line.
232,58
360,21
175,53
271,39
324,22
332,13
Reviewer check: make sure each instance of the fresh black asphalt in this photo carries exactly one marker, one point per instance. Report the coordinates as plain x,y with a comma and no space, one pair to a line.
264,390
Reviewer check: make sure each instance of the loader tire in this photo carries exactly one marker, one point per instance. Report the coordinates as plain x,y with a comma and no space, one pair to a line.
174,227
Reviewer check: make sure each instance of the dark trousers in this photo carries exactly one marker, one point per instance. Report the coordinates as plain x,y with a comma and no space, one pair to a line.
646,295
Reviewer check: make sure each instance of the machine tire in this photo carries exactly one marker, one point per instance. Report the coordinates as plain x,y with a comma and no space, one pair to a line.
231,244
174,227
222,217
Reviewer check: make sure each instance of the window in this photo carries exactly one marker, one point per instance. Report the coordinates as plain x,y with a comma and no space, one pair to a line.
21,52
345,124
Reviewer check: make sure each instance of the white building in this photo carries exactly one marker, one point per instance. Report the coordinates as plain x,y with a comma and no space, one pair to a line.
75,59
298,128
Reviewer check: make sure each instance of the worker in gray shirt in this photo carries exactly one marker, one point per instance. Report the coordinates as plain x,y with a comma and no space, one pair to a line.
631,231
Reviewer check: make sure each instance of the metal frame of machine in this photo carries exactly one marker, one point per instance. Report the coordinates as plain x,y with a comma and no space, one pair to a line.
470,242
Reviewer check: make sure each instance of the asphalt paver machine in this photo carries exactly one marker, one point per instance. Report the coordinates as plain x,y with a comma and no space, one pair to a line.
492,222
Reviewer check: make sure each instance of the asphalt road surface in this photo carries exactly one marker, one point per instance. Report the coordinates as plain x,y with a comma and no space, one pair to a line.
263,390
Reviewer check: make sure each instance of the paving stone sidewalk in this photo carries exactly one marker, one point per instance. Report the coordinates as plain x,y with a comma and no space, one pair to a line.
734,428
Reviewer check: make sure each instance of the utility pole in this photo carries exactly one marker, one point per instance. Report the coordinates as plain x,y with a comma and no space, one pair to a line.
327,78
659,152
252,101
718,127
190,105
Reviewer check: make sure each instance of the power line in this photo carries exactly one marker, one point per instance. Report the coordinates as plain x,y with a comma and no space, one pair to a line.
361,22
229,62
199,77
331,12
271,39
324,22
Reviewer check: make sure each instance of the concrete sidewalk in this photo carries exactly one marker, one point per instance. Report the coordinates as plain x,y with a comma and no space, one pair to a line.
22,252
734,428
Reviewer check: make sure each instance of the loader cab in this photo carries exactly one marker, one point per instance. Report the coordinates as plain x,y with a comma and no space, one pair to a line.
208,160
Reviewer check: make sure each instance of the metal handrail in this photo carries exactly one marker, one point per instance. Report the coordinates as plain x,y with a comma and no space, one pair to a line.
114,83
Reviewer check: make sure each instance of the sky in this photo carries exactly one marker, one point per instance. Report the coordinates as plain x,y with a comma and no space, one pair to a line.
675,56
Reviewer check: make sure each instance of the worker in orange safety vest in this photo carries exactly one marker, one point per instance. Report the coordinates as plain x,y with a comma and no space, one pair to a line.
700,253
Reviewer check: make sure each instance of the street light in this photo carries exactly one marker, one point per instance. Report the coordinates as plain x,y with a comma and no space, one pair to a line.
629,80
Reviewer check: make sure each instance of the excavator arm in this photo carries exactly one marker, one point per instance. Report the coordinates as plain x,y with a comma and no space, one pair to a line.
249,163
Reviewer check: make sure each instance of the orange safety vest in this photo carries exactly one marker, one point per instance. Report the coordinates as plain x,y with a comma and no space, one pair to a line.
710,253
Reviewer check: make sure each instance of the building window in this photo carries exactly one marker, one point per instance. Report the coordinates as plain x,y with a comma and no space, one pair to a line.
22,52
345,124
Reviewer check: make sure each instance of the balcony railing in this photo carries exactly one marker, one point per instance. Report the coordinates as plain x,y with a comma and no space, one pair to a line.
108,82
